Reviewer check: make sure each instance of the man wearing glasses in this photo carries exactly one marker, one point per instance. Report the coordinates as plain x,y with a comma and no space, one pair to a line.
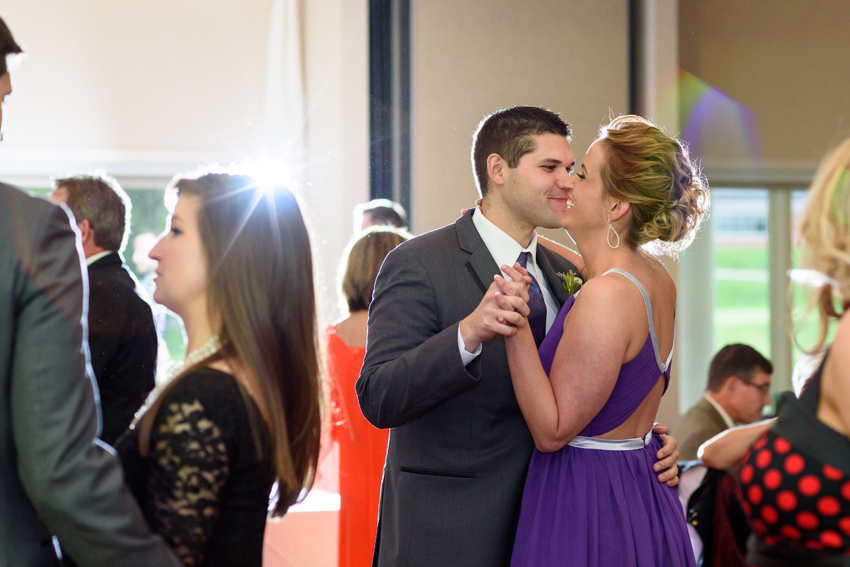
738,389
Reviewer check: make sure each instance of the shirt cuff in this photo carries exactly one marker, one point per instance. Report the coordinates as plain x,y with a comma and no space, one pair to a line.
465,355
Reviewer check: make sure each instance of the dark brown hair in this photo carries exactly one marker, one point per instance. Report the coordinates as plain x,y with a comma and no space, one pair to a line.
363,260
8,46
100,200
261,291
736,360
382,212
510,133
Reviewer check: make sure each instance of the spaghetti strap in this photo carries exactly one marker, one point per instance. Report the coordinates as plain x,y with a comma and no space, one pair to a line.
661,364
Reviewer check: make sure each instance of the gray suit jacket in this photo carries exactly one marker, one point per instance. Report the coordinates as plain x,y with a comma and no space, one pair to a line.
459,448
698,425
54,477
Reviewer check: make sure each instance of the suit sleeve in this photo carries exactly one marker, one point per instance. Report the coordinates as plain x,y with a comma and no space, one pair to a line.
689,445
74,482
412,365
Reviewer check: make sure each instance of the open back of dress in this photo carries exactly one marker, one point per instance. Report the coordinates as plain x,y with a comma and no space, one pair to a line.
597,502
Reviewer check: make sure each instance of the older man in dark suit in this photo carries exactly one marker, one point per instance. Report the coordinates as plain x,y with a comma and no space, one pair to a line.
55,477
122,334
436,370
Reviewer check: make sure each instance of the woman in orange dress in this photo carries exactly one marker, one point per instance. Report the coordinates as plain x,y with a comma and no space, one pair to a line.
362,447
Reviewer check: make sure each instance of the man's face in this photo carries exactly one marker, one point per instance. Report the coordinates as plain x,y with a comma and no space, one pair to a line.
535,190
5,90
751,397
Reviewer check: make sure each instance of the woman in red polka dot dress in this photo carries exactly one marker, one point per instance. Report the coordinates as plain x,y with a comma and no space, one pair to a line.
796,477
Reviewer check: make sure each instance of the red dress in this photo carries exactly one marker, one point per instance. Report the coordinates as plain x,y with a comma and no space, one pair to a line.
362,451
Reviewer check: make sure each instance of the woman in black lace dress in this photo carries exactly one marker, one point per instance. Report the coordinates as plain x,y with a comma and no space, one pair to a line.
243,411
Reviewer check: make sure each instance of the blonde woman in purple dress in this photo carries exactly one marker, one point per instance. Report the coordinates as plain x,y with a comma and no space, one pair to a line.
591,394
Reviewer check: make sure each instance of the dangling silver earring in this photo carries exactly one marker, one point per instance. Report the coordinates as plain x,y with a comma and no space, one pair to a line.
608,236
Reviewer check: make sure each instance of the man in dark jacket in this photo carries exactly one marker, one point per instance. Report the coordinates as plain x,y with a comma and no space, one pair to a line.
122,334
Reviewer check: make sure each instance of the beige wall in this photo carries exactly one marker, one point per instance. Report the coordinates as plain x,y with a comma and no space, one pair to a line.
146,90
148,83
786,60
471,58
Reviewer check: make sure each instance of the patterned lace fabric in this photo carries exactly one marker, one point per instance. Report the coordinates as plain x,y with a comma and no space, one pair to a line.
192,465
205,485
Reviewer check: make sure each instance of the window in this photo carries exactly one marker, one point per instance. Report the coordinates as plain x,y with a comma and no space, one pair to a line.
734,285
741,272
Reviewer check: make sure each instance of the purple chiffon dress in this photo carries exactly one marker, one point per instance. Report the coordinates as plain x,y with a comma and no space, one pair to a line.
598,502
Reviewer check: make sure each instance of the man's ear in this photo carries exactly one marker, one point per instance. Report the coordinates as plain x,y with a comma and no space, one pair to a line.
497,169
732,383
86,232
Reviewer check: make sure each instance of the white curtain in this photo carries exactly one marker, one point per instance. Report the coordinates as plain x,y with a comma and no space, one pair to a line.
284,108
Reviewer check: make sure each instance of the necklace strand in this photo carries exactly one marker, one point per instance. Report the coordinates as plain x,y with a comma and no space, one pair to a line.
203,352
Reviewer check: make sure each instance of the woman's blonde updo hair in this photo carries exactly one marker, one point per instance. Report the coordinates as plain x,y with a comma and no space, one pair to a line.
653,172
825,235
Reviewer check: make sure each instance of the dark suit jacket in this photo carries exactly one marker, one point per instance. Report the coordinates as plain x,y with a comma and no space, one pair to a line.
122,342
54,476
459,448
698,425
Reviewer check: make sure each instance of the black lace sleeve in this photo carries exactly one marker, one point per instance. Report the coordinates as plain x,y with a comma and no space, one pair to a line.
189,465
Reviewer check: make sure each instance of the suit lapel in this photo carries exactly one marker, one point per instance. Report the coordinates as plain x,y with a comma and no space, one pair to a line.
481,265
555,283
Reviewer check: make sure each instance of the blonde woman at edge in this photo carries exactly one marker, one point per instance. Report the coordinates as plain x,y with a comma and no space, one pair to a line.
795,470
243,413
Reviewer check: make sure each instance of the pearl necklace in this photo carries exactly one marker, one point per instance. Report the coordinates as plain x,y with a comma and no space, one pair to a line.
203,352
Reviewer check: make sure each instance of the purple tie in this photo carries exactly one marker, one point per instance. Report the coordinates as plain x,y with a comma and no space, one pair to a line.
537,317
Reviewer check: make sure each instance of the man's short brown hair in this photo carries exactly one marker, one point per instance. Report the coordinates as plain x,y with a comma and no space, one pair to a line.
510,133
100,200
8,46
736,360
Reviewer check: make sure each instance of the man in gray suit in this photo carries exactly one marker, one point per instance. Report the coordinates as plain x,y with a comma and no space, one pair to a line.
738,389
55,477
436,371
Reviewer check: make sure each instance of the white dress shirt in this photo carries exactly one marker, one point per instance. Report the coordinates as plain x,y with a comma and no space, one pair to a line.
95,257
505,251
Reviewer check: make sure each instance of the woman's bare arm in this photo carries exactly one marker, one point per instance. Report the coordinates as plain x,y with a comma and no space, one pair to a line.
557,407
725,450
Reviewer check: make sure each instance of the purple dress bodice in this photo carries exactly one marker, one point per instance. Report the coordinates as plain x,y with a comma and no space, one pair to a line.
600,504
634,383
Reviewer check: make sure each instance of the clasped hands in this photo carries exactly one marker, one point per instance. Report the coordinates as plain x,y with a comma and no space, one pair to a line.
502,311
